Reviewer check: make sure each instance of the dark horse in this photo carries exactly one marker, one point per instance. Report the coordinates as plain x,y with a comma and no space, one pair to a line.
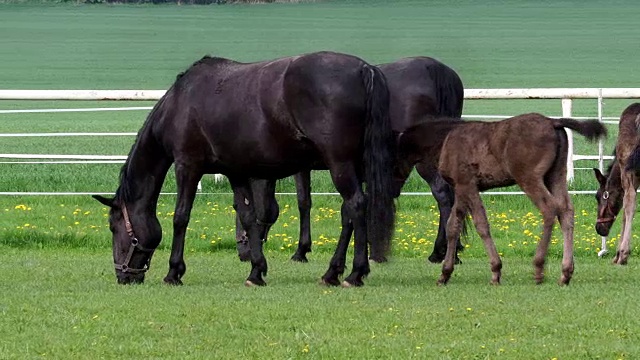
420,87
619,185
529,150
264,120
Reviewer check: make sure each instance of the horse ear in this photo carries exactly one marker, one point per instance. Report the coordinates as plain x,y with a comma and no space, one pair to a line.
104,201
602,180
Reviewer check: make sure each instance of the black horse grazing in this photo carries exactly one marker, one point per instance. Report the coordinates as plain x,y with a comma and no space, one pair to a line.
529,150
285,116
420,87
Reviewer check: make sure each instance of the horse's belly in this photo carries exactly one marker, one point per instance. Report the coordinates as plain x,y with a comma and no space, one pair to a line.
270,161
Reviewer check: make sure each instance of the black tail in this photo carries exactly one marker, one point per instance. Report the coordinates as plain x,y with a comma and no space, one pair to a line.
448,87
591,129
379,158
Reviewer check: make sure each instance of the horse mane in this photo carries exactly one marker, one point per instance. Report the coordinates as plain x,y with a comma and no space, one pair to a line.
206,60
607,173
125,190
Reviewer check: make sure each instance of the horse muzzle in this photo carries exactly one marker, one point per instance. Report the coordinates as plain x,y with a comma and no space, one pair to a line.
603,227
127,278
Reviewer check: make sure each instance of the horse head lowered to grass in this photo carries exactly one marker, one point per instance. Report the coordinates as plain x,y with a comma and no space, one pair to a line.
619,184
529,150
264,120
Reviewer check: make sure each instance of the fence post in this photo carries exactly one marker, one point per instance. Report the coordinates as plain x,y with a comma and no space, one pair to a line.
567,105
600,141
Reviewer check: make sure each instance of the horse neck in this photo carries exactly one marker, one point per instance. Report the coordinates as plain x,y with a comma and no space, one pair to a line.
144,174
613,178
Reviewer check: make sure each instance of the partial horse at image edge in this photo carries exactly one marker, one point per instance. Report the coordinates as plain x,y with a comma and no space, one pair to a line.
619,185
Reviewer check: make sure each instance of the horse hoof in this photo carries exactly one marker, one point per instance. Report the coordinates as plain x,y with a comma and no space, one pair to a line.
299,258
346,284
175,282
379,259
329,282
250,283
435,258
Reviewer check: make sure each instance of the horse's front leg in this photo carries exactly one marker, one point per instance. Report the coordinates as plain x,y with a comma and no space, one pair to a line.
303,189
629,208
187,178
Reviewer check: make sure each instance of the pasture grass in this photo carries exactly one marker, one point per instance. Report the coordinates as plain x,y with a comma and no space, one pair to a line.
65,304
81,222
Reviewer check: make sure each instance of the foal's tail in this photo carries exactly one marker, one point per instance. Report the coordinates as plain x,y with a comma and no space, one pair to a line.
591,129
379,159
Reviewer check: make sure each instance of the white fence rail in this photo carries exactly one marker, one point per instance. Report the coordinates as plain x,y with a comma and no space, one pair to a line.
566,95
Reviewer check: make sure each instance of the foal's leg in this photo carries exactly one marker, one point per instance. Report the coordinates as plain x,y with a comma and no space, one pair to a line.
338,261
444,195
558,187
454,228
546,203
629,206
479,215
303,189
187,183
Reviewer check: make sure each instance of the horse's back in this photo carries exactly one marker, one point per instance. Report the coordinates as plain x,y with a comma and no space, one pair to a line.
502,151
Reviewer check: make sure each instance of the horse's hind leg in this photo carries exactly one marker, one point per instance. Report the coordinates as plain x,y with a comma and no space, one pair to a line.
242,242
348,185
629,206
338,261
187,179
444,195
303,189
547,204
255,211
566,219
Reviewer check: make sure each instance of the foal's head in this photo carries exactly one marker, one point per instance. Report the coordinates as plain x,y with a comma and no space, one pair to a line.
609,197
131,255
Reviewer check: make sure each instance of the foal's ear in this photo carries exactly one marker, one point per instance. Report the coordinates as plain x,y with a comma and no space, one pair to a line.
601,178
104,201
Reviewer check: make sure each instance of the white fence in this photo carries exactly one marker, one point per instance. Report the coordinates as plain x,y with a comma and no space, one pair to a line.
566,95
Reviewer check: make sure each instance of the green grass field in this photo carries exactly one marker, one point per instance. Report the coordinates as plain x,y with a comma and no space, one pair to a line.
59,298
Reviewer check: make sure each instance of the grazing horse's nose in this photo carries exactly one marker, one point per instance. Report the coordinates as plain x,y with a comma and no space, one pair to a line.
603,228
129,278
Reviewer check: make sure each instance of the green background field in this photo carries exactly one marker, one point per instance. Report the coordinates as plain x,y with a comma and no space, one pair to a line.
61,245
